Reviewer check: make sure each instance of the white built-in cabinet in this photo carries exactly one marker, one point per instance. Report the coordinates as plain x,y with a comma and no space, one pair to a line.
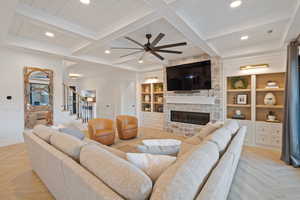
260,132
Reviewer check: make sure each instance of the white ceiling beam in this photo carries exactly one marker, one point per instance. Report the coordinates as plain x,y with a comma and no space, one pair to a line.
182,26
32,45
54,22
7,11
293,28
116,31
246,28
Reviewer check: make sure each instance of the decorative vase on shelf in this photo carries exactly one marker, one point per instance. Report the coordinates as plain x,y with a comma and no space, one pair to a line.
159,99
147,89
270,99
147,98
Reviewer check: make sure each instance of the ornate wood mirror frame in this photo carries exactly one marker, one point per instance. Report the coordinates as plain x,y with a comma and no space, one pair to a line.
38,96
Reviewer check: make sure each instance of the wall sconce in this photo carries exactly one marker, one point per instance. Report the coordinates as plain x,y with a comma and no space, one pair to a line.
152,80
74,76
247,67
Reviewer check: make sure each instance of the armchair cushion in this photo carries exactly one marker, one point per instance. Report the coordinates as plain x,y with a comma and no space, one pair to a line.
104,132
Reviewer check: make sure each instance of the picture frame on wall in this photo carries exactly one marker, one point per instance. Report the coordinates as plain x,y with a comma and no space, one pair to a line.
241,99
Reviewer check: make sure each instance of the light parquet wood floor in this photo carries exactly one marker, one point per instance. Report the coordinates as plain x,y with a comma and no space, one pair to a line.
260,176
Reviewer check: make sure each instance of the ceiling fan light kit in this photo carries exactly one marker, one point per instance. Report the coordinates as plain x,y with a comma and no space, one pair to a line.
151,47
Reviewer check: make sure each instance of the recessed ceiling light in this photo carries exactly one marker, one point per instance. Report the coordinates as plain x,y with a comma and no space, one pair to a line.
49,34
107,51
86,2
245,37
141,61
235,3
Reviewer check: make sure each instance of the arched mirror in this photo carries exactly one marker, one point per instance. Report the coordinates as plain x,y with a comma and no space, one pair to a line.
38,96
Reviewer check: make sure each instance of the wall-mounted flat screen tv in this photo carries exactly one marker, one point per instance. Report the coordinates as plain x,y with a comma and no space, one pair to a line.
187,77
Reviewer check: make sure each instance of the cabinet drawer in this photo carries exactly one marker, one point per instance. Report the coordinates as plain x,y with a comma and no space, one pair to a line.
263,139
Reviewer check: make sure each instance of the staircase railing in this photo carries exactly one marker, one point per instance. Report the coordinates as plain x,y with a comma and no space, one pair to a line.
77,104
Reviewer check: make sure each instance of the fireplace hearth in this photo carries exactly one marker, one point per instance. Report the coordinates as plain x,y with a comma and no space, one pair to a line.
197,118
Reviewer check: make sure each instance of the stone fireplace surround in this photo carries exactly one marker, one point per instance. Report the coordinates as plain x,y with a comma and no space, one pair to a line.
215,110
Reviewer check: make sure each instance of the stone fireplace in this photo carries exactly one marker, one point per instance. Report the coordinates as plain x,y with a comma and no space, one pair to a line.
212,111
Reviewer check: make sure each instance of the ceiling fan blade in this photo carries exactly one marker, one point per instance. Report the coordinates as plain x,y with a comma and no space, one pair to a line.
132,53
168,51
132,40
157,39
126,48
170,45
157,55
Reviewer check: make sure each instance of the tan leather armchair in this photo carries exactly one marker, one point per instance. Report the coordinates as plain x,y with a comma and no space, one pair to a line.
127,127
102,130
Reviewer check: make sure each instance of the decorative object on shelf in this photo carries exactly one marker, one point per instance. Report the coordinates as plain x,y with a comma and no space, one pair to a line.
247,67
147,108
147,98
271,117
147,89
160,109
272,84
239,83
241,99
159,99
238,115
270,99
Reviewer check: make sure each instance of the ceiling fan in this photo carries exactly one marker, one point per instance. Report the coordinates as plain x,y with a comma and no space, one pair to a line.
151,47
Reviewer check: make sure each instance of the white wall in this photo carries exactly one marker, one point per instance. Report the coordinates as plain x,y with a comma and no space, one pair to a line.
276,60
115,92
11,84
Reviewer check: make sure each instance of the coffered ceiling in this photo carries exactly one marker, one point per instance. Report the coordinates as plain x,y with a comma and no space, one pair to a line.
82,33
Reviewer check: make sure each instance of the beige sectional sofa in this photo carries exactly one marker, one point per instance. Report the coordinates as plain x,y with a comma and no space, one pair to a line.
82,170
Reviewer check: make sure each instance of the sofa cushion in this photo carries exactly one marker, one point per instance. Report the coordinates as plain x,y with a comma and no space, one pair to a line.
221,138
203,133
44,132
184,148
219,182
67,144
233,126
185,178
120,175
114,151
152,165
237,142
73,132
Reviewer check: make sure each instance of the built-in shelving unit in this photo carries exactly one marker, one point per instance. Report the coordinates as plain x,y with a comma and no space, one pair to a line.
152,97
262,110
232,93
261,132
146,100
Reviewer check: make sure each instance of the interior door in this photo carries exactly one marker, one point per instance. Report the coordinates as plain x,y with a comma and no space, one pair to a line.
128,101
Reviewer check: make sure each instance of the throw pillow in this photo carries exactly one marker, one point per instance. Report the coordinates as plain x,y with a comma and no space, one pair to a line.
152,165
44,132
73,132
160,150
